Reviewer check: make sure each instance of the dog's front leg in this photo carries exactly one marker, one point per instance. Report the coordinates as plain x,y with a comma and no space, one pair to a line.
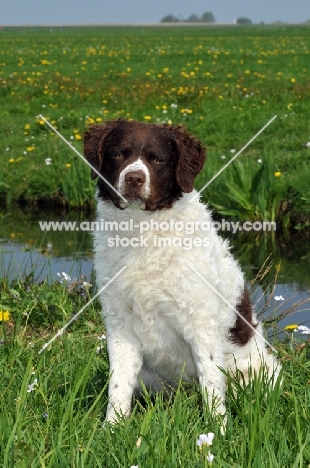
209,359
125,364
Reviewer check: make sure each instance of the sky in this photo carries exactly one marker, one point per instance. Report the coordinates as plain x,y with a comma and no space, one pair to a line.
42,12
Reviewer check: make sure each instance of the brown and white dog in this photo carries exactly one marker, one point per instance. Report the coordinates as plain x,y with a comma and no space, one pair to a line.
163,321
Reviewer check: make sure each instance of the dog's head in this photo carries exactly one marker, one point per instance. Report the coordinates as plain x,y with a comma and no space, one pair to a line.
147,164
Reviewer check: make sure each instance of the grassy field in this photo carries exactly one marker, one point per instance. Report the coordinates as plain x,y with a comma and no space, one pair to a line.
224,84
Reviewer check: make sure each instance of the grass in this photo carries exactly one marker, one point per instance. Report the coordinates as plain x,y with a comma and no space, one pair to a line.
226,82
59,422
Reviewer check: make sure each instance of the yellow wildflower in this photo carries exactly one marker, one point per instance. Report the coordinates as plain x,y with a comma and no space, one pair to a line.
277,174
78,136
147,117
4,316
68,165
291,327
293,80
27,127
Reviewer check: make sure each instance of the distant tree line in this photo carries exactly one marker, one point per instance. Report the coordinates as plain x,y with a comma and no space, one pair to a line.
206,17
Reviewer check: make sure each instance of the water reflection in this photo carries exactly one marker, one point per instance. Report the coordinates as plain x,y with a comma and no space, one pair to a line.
25,248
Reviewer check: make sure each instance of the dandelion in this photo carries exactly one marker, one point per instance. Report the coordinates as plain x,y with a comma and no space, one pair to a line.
68,165
27,127
4,316
147,117
32,386
277,174
291,327
11,160
48,161
293,80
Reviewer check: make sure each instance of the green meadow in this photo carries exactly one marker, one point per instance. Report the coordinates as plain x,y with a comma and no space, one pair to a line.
224,84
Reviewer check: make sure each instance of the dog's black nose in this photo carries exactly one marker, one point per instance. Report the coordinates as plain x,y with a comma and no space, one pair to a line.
135,179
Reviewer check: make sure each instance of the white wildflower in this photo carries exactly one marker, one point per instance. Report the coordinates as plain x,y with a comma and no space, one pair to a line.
48,161
64,277
304,330
279,298
205,439
32,386
223,157
259,161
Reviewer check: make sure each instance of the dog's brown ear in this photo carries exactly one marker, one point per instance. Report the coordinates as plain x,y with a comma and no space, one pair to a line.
95,138
190,157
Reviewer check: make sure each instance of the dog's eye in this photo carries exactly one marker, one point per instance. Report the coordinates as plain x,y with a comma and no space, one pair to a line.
118,156
156,160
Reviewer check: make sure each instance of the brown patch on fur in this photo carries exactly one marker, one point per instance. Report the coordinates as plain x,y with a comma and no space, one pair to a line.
241,333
